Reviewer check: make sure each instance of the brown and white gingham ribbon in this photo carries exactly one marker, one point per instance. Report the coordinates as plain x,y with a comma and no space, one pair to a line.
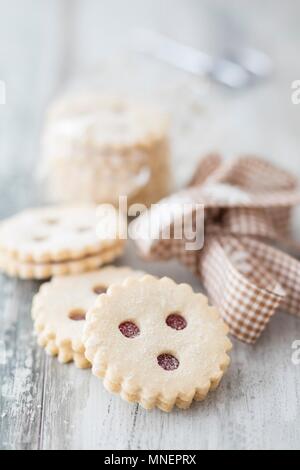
246,278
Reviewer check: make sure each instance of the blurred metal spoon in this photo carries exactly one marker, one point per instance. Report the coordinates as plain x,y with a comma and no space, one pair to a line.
248,66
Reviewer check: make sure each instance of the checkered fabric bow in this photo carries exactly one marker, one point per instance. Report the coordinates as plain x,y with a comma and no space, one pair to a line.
247,203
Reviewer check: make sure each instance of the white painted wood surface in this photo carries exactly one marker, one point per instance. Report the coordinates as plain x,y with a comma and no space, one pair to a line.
44,405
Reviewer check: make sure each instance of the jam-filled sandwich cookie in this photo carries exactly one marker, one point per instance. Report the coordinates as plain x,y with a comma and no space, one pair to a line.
58,240
156,343
60,307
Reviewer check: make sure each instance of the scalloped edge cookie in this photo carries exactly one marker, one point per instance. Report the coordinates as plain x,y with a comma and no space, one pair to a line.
56,333
40,271
130,367
59,233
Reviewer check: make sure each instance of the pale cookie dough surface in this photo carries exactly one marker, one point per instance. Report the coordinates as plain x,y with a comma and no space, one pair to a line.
60,306
40,271
129,365
56,234
101,121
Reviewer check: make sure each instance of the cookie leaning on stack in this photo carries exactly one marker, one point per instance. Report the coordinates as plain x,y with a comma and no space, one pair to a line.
60,307
97,148
40,243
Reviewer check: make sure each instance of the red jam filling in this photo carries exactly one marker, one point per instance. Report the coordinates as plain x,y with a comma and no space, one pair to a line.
129,329
176,321
167,361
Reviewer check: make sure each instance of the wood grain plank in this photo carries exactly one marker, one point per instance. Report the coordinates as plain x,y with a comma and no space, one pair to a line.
21,369
37,43
49,406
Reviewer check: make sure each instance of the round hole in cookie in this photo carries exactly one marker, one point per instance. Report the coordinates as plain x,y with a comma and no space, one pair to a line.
78,314
167,361
176,321
100,289
129,329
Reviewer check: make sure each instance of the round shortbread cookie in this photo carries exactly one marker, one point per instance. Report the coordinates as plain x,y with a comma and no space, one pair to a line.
60,307
156,343
57,234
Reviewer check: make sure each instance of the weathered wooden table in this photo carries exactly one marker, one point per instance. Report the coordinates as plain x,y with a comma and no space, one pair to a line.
44,405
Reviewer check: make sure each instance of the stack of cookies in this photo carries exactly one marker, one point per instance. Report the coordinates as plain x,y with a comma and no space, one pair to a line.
97,148
40,243
152,341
